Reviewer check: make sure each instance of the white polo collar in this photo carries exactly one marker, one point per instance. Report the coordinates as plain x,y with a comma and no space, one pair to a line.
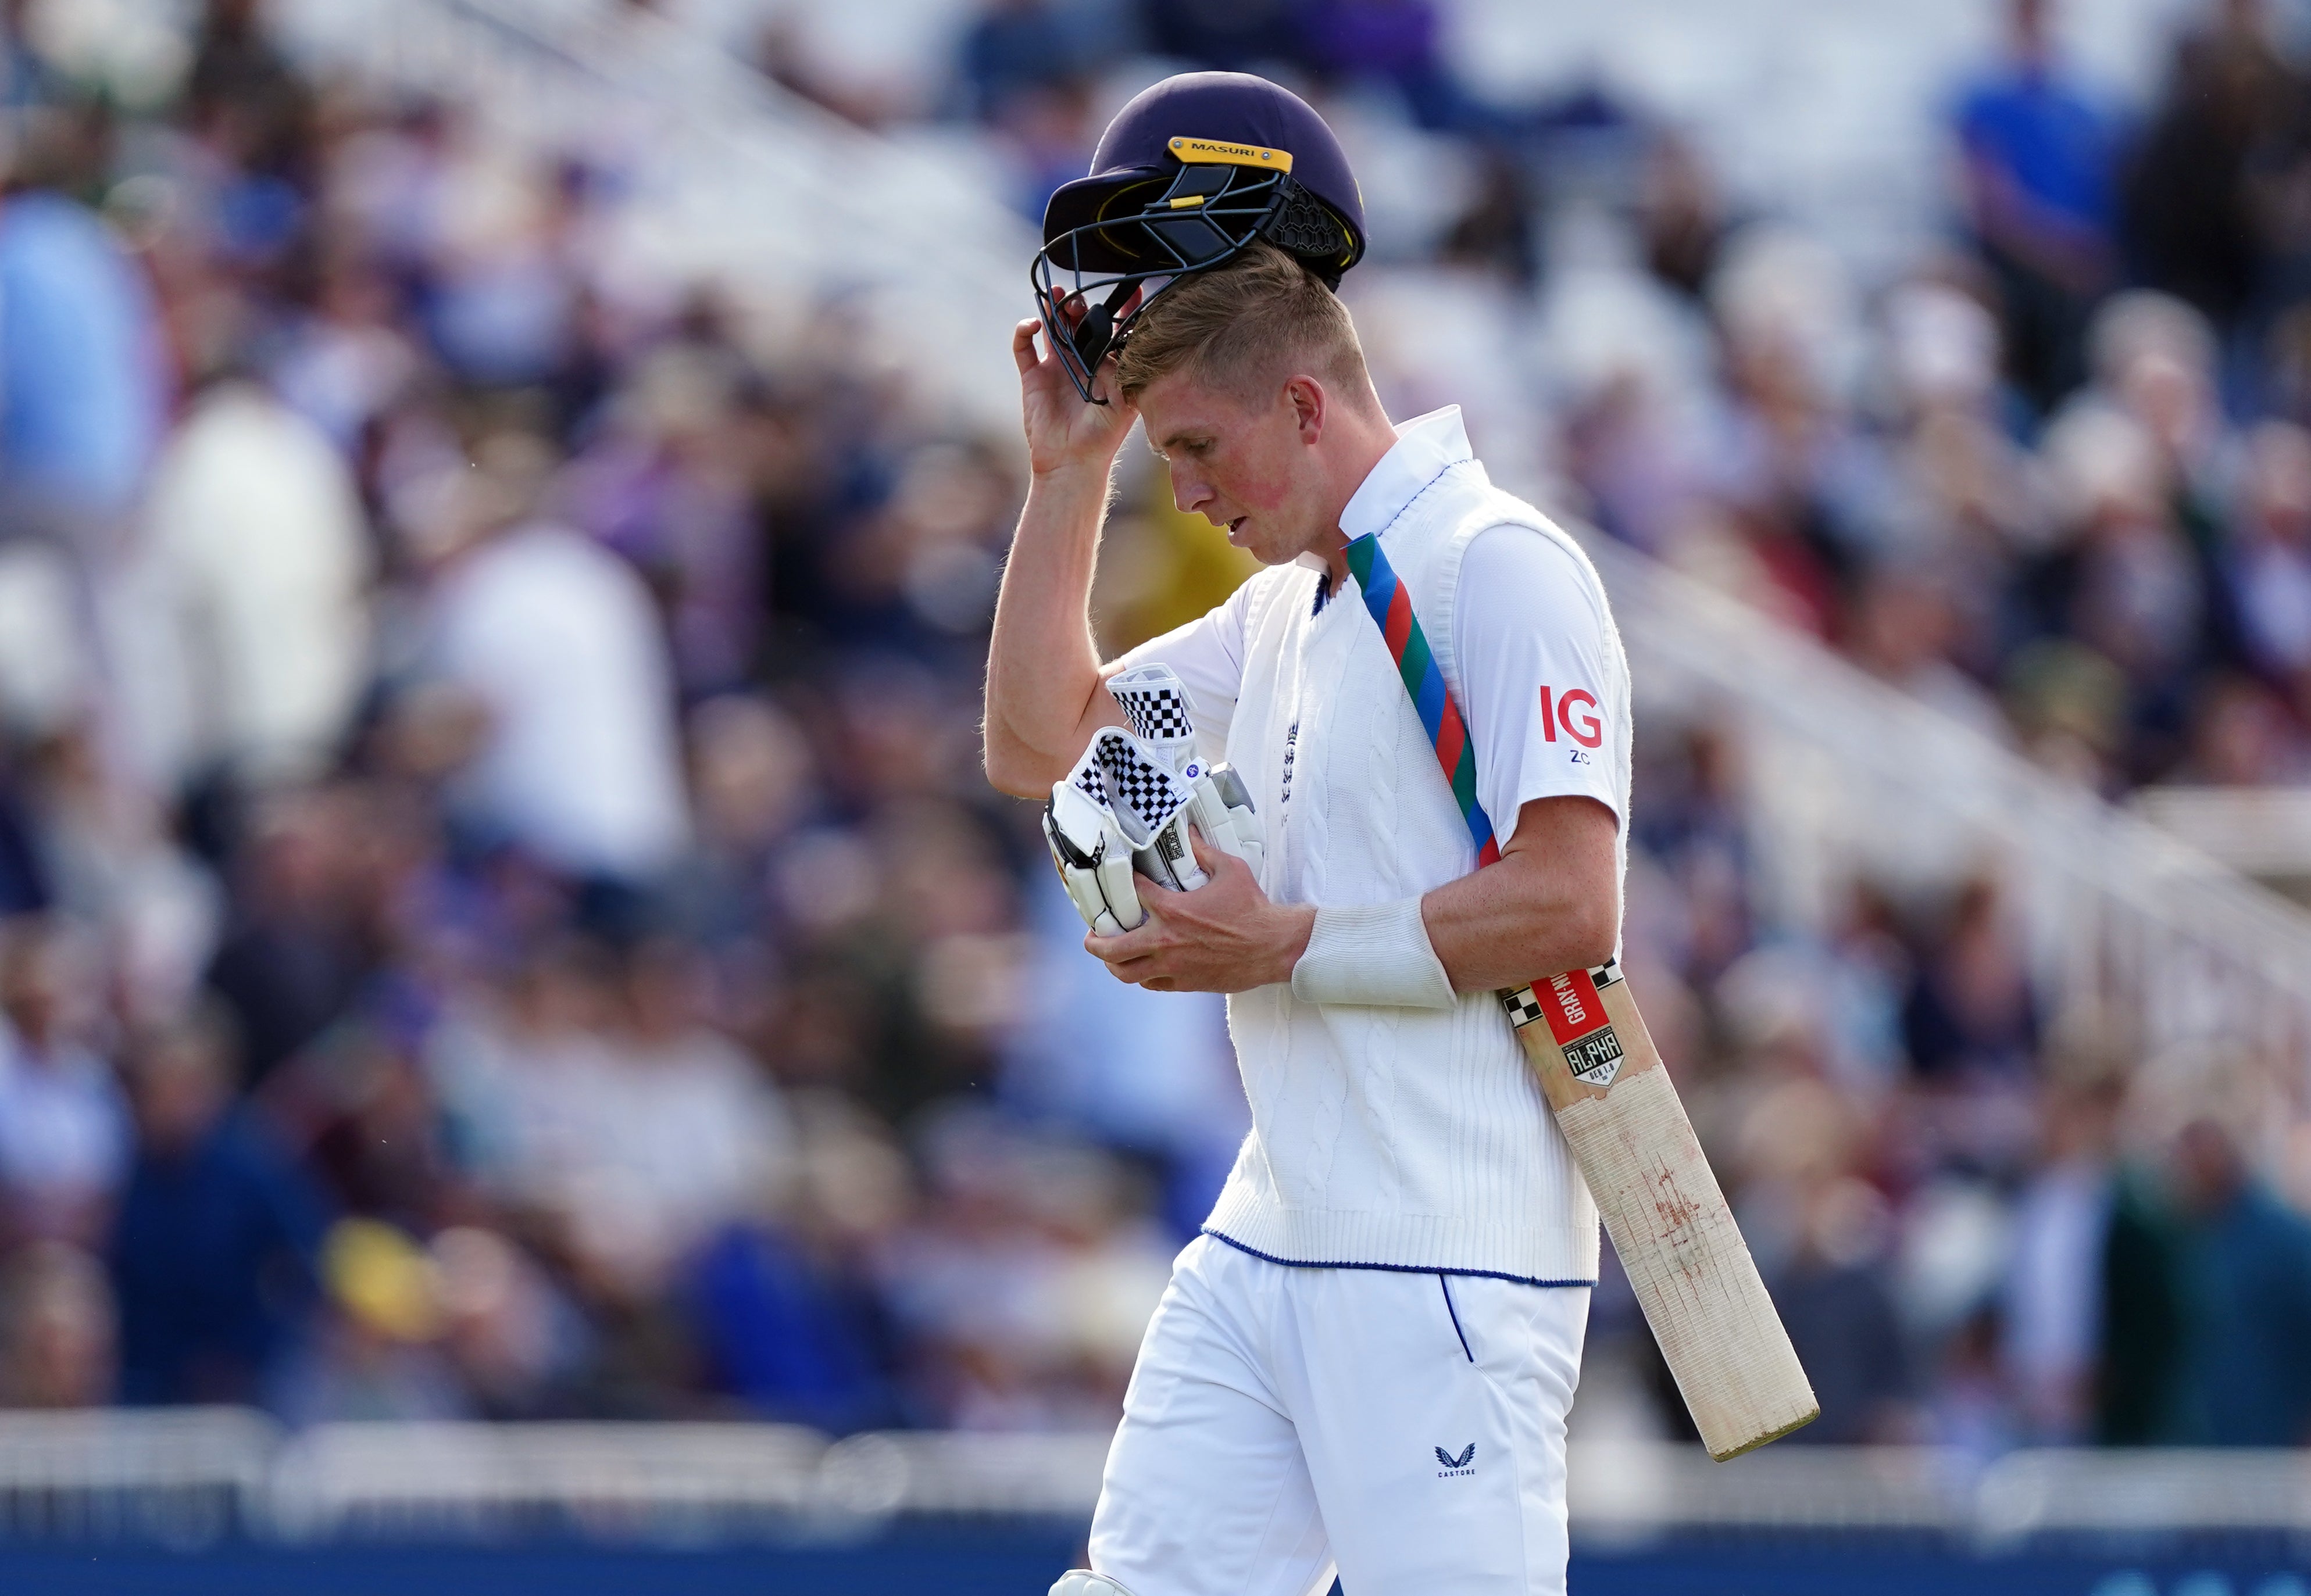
1425,446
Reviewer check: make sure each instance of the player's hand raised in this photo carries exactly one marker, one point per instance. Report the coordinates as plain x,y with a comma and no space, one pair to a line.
1224,936
1063,432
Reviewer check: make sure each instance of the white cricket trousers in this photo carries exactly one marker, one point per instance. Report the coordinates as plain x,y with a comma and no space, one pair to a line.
1284,1422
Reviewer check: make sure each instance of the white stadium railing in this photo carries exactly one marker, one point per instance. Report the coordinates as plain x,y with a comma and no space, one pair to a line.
191,1476
178,1477
632,1480
952,1472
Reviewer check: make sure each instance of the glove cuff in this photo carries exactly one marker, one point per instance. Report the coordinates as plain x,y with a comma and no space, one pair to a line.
1376,956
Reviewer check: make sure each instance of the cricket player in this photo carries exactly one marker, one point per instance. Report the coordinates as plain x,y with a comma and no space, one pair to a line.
1365,1362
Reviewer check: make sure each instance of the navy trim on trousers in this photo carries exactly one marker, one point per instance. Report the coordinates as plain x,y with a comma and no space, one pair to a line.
1445,1286
1401,1268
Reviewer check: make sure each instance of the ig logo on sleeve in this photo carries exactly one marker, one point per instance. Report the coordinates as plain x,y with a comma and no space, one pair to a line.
1575,711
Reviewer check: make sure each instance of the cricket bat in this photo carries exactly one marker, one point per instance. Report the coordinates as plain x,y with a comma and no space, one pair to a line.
1621,1118
1670,1222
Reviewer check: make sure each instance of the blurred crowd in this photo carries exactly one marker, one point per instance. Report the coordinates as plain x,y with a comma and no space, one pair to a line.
500,916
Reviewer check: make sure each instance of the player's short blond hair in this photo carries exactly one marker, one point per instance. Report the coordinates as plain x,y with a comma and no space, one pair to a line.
1243,327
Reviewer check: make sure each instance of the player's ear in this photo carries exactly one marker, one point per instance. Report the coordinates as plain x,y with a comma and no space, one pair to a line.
1306,399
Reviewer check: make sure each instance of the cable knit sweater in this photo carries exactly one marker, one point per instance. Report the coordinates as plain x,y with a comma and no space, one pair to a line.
1385,1138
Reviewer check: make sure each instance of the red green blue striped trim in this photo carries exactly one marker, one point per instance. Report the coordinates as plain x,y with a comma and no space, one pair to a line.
1400,628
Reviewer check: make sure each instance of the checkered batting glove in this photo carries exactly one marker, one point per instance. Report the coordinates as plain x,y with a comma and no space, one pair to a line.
1152,804
1120,810
1116,808
1155,701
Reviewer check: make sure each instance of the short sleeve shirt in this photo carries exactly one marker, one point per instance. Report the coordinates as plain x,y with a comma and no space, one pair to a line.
1530,639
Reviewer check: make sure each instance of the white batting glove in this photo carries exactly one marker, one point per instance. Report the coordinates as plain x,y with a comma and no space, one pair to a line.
1093,859
1224,813
1118,808
1124,808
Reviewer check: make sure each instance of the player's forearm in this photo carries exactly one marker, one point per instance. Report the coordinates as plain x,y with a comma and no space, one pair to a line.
1505,925
1042,671
1551,904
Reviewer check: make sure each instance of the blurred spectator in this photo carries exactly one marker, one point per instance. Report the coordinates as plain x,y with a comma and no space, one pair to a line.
1049,136
1156,1083
1970,1020
792,1344
1684,215
1970,1410
357,1111
503,303
82,391
779,1340
516,1067
1024,1282
27,79
2040,155
2142,1394
348,357
1392,43
514,1341
56,1346
237,73
1835,1298
373,1357
1692,831
1824,1236
2052,1297
791,1319
1015,46
63,1130
2122,581
556,640
663,482
2267,564
260,558
684,1133
1496,232
23,875
290,962
2247,1274
215,1252
2193,215
2242,736
1228,35
1905,628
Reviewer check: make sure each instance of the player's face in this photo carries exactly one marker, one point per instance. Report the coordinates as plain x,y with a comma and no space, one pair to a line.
1250,468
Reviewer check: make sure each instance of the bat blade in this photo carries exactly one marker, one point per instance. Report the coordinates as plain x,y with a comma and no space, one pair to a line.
1662,1205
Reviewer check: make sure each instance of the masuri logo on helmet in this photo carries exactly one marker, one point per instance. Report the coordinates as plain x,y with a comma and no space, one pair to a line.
1185,179
1211,150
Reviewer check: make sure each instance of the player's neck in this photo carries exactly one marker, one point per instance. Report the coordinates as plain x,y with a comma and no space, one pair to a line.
1362,439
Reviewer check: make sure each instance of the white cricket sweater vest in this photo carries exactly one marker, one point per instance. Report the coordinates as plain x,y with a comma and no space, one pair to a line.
1386,1138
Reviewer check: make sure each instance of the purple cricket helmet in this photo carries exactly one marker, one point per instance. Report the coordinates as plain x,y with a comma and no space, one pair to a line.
1185,178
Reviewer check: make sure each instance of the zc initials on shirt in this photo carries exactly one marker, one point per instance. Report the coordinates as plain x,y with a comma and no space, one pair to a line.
1575,709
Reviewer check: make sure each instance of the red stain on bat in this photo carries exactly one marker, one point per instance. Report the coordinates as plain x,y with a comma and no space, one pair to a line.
1673,1211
